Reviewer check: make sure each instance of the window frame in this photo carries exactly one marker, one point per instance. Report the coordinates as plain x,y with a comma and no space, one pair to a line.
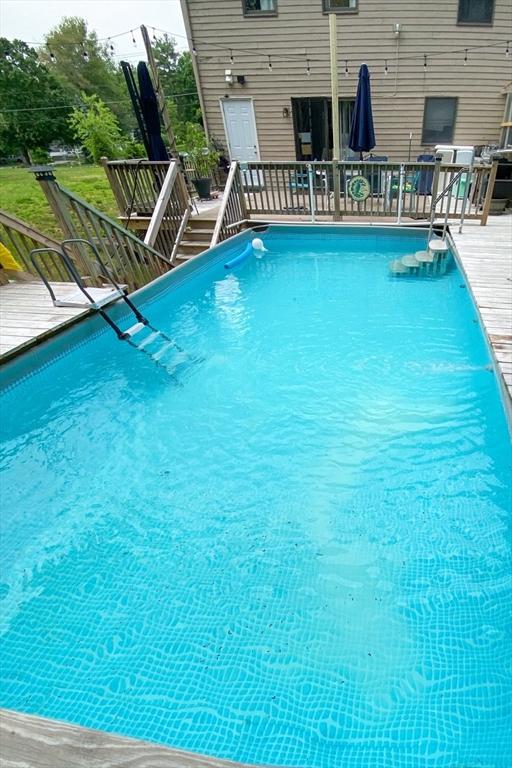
257,14
326,9
454,123
462,23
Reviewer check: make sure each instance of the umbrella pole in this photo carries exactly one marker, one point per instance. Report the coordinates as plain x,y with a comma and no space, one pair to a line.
333,41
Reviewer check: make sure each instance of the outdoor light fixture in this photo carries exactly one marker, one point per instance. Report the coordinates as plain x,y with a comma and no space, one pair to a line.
228,76
397,28
286,112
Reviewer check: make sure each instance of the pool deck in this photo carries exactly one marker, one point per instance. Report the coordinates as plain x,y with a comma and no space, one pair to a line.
485,254
27,315
35,742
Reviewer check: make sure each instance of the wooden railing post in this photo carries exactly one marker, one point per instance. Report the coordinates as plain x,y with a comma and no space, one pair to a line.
52,193
241,194
336,189
488,193
114,184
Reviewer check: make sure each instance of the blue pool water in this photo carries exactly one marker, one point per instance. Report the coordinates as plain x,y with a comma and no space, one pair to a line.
301,555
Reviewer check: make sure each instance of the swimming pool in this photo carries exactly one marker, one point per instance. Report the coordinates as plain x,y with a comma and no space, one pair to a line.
296,554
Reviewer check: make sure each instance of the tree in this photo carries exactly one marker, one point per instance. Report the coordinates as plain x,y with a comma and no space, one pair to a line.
94,73
97,129
178,81
27,90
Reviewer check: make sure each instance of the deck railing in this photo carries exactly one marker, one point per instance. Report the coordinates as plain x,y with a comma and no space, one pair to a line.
129,259
20,238
233,212
137,185
396,190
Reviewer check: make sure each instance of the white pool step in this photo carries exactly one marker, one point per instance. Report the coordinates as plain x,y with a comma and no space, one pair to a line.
438,246
161,352
134,329
152,336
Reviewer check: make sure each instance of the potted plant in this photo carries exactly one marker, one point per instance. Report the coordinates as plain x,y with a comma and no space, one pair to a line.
203,157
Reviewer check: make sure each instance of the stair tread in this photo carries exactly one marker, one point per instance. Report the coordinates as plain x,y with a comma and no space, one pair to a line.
194,243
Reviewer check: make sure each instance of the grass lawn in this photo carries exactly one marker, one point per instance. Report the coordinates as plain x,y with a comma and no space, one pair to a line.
21,195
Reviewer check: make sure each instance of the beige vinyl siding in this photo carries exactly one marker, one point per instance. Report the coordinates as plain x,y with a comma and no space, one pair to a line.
301,29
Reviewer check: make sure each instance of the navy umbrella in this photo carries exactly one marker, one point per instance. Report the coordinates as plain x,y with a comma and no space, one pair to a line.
151,114
362,135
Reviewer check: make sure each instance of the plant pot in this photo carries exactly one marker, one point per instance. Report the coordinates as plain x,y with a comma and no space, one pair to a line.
497,206
203,187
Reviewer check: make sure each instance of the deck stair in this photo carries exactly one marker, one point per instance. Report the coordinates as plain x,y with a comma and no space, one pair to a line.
196,238
141,335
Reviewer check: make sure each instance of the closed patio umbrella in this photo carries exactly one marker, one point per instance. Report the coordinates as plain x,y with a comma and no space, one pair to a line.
151,114
362,135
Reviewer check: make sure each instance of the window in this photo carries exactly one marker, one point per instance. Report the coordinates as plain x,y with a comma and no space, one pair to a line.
475,11
439,120
340,6
259,7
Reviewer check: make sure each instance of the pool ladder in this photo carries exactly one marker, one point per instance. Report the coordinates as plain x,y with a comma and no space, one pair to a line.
155,344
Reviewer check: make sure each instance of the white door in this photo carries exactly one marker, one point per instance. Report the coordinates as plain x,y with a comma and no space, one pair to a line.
240,129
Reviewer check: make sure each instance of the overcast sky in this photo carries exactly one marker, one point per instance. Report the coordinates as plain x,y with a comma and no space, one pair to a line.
29,20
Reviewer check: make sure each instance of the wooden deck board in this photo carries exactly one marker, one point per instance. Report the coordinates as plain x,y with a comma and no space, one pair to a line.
485,255
36,742
28,316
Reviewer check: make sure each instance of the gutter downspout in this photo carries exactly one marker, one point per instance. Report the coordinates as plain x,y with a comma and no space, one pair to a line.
195,67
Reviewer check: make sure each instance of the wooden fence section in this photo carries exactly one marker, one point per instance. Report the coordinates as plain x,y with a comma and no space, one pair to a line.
396,189
128,259
20,238
136,185
233,211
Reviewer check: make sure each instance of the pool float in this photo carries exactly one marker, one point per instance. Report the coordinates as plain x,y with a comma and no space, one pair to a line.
254,245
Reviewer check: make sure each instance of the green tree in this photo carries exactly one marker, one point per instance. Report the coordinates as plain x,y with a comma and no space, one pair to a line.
178,81
94,73
96,128
27,90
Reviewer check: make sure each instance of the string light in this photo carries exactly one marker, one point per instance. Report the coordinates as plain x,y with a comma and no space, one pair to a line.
194,51
85,56
507,49
346,67
133,38
110,47
465,56
269,64
231,59
424,61
386,67
154,35
52,57
308,68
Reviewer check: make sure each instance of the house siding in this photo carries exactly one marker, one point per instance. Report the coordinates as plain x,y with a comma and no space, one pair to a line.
301,30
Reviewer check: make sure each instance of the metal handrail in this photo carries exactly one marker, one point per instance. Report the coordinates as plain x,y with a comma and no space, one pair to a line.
448,190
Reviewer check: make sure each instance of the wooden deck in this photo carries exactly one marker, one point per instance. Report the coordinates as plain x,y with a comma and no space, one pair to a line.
28,316
485,255
36,742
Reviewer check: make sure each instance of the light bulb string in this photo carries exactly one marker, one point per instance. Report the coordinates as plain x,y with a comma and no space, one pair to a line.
207,43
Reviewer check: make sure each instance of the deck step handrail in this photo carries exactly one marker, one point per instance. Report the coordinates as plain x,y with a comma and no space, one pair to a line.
129,259
20,238
222,211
